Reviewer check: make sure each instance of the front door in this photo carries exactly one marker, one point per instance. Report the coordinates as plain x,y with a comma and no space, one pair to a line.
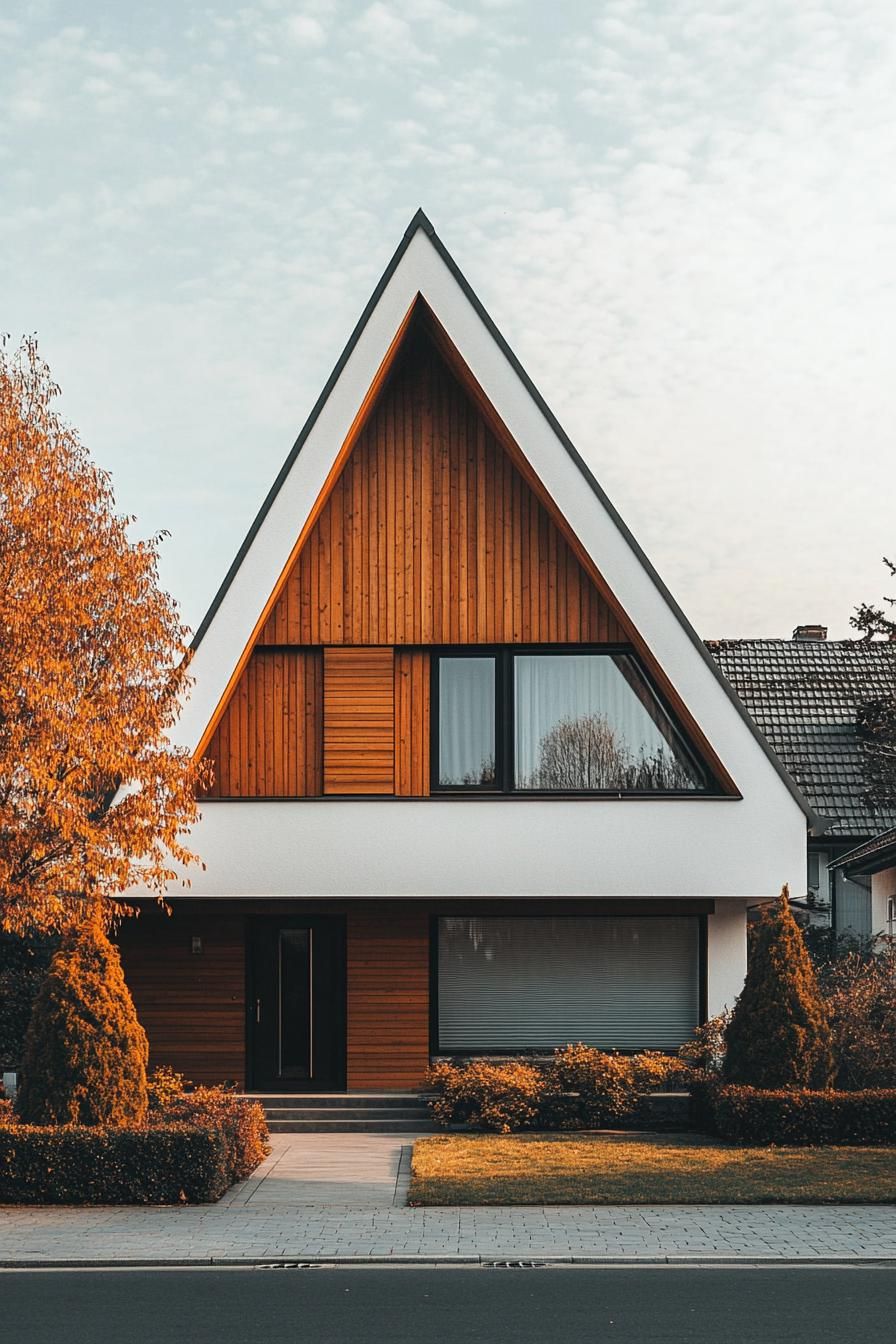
297,1004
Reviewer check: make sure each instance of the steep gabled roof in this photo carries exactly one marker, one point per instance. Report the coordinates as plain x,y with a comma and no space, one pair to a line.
423,268
804,694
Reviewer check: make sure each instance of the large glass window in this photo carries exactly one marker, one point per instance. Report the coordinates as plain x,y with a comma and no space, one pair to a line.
467,722
590,721
556,721
616,982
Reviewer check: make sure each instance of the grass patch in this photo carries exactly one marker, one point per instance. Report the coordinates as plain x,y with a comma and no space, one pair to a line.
642,1169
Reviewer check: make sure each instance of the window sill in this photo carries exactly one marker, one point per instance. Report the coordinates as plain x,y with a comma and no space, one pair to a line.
446,796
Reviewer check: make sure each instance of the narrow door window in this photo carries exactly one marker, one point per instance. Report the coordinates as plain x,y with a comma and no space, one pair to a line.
295,1003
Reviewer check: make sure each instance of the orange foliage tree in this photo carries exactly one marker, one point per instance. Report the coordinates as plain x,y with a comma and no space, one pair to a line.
93,795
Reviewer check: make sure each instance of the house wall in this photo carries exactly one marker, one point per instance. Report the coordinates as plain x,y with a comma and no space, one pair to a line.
193,1005
726,955
387,998
386,848
883,891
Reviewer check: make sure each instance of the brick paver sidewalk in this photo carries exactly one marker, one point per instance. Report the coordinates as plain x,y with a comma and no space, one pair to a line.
340,1197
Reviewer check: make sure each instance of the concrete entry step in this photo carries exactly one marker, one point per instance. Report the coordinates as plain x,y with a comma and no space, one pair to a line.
423,1125
345,1112
344,1100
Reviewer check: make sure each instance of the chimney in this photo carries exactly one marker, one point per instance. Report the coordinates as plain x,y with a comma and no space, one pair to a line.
819,632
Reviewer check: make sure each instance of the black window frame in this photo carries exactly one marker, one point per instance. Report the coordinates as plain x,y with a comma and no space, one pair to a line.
467,651
504,785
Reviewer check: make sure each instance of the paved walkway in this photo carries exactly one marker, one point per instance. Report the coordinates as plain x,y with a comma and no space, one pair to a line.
340,1197
363,1171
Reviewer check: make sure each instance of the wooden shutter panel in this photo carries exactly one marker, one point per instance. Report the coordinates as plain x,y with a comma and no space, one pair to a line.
359,720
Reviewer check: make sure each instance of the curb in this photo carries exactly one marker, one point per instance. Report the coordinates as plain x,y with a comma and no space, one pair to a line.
752,1260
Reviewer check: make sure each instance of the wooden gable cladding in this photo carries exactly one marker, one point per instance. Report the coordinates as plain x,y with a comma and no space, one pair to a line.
268,742
431,535
412,700
359,720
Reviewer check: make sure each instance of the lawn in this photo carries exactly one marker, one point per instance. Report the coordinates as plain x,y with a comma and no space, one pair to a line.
642,1169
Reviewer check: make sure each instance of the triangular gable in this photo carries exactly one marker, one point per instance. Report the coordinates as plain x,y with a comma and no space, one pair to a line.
423,284
432,534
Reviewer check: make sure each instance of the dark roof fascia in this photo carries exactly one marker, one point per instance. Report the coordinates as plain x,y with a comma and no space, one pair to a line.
817,823
871,857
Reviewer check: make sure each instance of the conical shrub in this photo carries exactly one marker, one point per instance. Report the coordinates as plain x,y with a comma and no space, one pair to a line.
85,1052
779,1034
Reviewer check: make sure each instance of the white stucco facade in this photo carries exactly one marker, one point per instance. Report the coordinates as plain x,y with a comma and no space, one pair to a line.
883,902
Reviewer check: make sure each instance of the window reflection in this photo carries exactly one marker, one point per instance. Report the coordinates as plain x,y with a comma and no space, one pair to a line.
591,721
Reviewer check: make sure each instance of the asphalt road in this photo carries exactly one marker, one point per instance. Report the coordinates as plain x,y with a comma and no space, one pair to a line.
429,1306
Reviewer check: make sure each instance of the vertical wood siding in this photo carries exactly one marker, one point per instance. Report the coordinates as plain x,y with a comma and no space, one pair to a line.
388,999
359,721
432,536
412,723
192,1006
268,743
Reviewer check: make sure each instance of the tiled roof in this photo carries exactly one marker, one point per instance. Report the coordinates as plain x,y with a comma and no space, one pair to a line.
803,695
872,856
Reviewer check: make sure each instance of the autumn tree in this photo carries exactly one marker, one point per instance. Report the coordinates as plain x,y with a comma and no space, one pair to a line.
93,796
779,1034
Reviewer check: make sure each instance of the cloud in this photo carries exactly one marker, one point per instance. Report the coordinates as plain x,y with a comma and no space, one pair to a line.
682,218
306,32
387,35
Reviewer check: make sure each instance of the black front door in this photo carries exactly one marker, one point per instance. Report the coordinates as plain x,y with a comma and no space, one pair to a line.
297,1003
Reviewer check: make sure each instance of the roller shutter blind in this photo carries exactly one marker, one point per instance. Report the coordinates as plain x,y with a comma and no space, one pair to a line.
615,982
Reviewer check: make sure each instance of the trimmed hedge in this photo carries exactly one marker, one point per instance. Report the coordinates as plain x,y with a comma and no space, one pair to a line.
240,1122
194,1147
501,1097
586,1088
750,1115
579,1087
168,1164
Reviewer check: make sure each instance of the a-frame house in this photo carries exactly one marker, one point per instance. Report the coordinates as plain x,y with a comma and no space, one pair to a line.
478,786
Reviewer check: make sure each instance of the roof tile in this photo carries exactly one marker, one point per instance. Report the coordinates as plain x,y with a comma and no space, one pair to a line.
803,695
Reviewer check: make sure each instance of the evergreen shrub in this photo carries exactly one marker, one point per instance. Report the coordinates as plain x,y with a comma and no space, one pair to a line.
85,1052
779,1034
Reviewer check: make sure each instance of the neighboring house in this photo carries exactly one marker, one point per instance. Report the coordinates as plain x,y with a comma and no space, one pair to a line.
479,787
804,694
876,860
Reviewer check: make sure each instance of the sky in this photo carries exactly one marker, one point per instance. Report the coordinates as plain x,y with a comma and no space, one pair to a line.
681,215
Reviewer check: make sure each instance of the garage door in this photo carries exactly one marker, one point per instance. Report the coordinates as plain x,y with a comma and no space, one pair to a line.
622,983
